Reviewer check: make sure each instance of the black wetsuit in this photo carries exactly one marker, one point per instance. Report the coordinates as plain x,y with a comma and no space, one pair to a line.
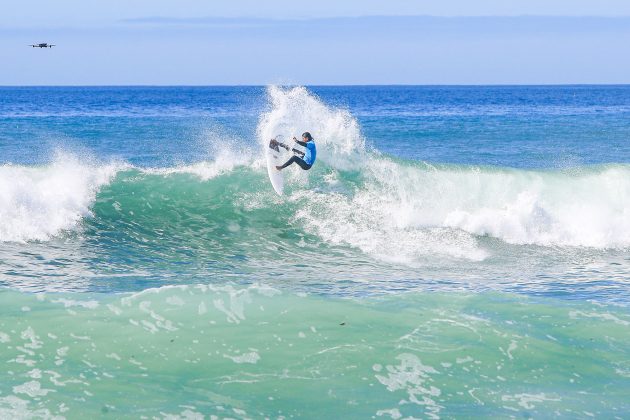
301,162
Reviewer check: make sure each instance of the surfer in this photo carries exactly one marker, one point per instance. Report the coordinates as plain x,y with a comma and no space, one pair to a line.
307,158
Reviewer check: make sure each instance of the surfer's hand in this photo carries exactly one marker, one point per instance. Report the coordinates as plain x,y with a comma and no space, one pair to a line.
294,139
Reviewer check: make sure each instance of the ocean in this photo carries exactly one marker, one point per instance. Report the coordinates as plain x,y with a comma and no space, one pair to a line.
455,252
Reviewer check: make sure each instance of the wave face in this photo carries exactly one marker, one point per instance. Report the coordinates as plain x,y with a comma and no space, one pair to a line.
358,209
380,199
371,194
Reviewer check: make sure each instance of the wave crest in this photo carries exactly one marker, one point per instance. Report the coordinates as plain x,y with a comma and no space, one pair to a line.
37,203
293,111
393,210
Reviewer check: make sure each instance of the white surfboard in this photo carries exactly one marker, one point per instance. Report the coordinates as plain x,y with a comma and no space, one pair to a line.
276,156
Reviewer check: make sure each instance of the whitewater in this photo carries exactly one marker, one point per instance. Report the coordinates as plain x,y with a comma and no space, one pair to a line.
453,252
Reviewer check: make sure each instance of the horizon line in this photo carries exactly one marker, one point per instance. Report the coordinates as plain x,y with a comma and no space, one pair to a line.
326,85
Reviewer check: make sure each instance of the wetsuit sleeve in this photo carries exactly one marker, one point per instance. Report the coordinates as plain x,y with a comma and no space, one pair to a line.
301,143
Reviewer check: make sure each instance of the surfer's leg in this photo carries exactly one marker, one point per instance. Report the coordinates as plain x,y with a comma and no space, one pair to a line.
295,159
287,163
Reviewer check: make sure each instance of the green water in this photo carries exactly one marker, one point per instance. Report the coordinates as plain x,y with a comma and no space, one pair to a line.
254,352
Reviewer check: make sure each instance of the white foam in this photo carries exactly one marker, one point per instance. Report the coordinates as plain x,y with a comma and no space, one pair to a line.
12,407
388,217
528,401
37,203
32,389
393,413
381,217
605,316
589,208
362,222
68,303
402,212
252,357
552,209
408,212
295,110
414,378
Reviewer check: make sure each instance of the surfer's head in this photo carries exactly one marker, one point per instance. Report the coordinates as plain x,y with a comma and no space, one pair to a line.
307,136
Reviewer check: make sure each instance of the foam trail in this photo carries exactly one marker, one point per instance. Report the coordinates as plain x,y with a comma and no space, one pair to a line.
362,215
38,203
403,211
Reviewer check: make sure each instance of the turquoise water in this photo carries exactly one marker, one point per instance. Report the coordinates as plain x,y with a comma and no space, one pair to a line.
257,352
455,252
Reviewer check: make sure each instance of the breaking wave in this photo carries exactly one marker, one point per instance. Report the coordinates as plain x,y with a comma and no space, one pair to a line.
391,209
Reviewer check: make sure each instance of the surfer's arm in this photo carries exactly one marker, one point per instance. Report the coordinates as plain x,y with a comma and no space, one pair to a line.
296,151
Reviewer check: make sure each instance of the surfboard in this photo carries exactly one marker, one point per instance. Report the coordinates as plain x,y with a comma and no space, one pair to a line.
276,156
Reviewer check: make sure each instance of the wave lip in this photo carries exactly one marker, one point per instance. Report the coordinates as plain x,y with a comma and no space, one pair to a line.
37,203
295,110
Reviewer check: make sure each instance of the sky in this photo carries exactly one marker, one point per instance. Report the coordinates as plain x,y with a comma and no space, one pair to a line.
246,42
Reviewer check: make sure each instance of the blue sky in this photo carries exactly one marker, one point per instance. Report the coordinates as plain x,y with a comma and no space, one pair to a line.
326,42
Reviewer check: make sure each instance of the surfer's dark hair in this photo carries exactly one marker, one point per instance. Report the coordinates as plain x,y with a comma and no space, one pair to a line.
307,135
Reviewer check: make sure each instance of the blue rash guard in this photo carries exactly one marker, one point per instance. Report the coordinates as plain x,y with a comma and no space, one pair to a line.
306,161
311,153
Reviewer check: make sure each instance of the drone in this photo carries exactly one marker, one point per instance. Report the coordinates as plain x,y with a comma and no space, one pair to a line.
42,45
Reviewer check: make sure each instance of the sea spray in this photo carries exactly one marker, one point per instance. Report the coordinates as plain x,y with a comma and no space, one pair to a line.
293,111
399,206
37,203
402,211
